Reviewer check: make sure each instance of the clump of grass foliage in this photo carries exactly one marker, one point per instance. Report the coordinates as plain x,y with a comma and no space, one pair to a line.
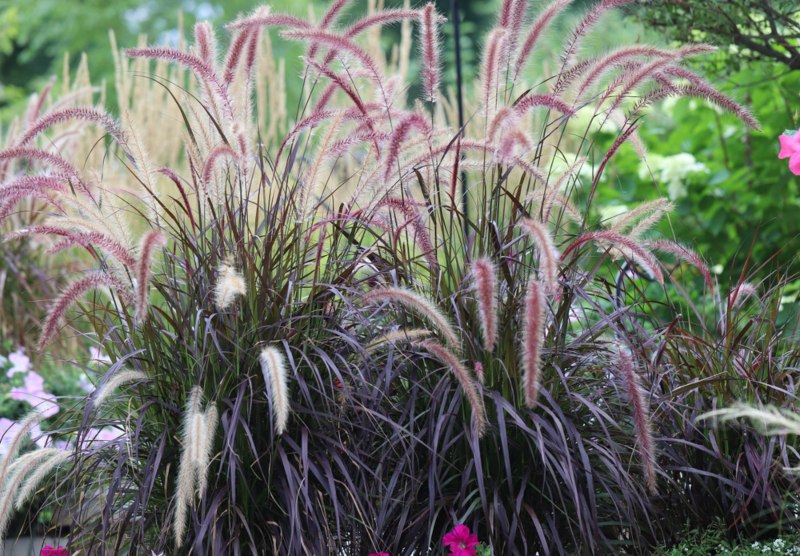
386,321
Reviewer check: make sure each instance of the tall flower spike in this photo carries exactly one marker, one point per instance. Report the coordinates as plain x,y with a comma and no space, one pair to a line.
273,367
230,284
484,274
418,304
73,292
447,357
621,244
641,418
119,378
206,42
532,341
548,254
534,34
150,242
42,470
198,439
430,53
94,115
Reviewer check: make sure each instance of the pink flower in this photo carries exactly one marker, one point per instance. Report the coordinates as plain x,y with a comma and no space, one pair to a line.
790,148
33,393
53,551
20,363
460,541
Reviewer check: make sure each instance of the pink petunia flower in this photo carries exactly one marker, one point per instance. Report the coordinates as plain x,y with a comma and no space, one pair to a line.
20,362
33,393
54,551
460,541
790,148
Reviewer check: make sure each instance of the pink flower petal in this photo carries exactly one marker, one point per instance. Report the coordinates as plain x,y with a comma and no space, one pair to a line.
790,145
794,164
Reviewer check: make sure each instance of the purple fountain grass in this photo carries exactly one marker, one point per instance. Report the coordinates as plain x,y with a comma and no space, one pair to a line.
452,362
484,274
430,53
339,43
541,23
151,241
400,134
205,41
583,27
82,238
528,101
652,211
496,51
205,72
92,115
414,219
273,367
645,444
548,254
39,155
237,47
37,103
629,247
72,293
269,20
532,341
10,201
419,305
685,254
741,293
389,16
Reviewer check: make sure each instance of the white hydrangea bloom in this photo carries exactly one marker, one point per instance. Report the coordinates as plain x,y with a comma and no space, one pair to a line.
672,171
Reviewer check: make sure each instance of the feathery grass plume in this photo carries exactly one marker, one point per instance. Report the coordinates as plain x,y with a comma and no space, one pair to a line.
447,357
404,335
430,53
205,445
414,219
150,242
652,211
230,284
400,134
209,185
12,448
119,378
12,481
199,428
685,254
532,341
621,244
94,115
186,471
271,20
529,100
205,72
741,293
496,51
339,43
582,28
537,28
768,420
37,101
273,367
382,18
418,304
484,274
43,469
548,254
39,155
641,418
73,292
205,41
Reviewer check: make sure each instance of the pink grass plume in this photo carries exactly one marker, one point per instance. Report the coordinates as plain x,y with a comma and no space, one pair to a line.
630,248
532,341
645,444
484,274
548,254
150,242
431,71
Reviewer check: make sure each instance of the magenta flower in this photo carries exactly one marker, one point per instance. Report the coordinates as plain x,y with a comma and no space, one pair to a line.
790,148
54,551
460,541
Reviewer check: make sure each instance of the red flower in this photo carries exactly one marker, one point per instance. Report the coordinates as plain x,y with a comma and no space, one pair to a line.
53,551
460,541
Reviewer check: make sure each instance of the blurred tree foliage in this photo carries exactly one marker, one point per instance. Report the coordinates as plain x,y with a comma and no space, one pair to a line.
760,29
